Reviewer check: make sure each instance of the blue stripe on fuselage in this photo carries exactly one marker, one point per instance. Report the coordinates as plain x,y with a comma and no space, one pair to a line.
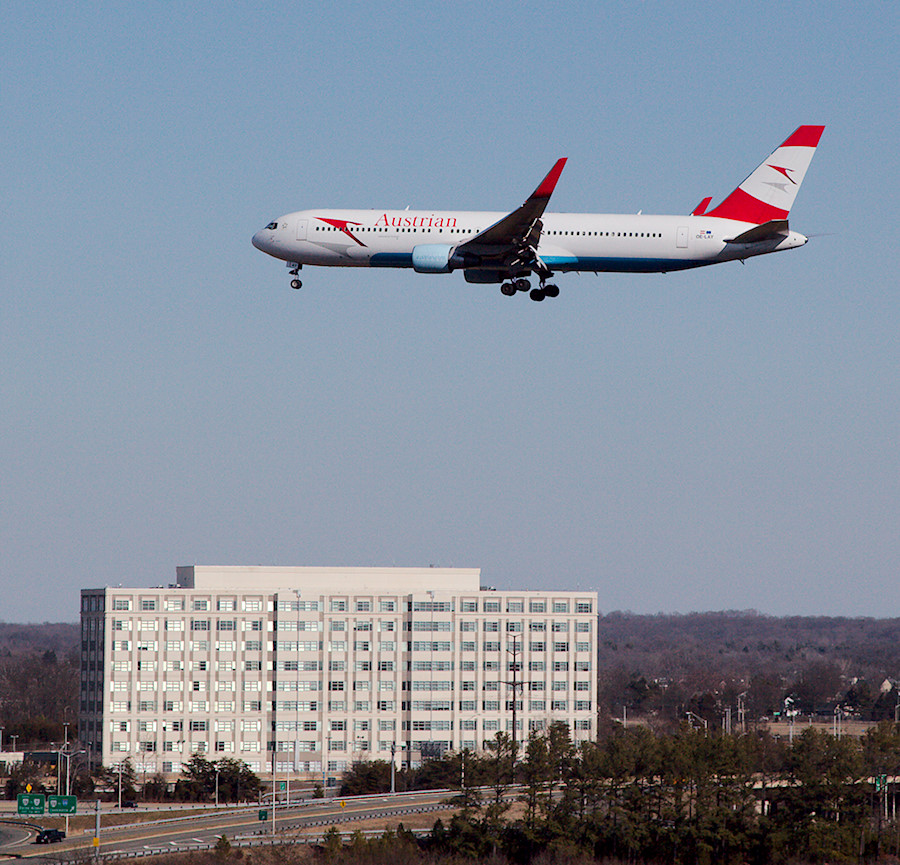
391,259
564,263
606,264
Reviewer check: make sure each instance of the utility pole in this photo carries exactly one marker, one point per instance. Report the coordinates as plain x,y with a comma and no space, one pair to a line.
514,684
462,775
393,767
97,831
297,704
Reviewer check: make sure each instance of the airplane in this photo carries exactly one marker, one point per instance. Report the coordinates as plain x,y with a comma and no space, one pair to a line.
509,248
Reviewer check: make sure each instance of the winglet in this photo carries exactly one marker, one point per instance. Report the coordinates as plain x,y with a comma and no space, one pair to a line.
517,226
769,192
700,209
548,184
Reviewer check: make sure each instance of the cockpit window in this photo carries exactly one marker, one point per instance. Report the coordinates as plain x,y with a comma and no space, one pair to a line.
272,225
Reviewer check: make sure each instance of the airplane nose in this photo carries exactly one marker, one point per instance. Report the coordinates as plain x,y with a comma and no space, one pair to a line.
258,241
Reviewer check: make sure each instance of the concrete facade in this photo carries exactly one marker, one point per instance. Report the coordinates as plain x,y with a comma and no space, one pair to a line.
305,670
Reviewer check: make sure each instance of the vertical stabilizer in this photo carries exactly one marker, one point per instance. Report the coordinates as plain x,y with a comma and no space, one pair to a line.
769,192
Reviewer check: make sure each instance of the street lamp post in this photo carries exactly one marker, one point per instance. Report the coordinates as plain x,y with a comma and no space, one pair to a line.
217,786
68,755
120,785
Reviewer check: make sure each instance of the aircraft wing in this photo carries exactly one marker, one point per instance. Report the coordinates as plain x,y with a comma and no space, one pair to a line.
512,241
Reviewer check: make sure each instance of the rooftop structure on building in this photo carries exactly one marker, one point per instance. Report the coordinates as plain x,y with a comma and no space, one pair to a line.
304,670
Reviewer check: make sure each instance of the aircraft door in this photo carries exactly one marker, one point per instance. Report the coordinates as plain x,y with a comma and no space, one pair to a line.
301,229
681,239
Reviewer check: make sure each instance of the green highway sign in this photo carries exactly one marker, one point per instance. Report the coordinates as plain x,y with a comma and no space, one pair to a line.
263,816
31,803
61,804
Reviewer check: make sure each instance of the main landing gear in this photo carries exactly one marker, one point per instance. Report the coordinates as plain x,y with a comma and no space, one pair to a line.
538,294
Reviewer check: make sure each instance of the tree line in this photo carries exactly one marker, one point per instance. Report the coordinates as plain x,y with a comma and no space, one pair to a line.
691,796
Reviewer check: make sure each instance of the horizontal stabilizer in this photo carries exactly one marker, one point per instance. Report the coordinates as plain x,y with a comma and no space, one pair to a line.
771,230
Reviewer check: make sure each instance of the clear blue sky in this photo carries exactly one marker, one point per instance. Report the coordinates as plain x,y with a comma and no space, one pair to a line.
718,439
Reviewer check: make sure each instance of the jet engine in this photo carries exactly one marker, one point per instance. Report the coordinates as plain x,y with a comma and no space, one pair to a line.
433,258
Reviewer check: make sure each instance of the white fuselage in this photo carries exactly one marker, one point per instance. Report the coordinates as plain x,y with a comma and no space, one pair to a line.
591,242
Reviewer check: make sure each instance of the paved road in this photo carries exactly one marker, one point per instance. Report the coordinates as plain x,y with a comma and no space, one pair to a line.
13,837
202,829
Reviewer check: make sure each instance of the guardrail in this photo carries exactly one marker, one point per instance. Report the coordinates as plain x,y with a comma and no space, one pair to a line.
259,838
280,809
270,842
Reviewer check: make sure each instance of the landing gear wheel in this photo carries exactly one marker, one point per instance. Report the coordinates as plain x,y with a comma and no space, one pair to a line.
522,284
508,289
295,283
536,294
551,290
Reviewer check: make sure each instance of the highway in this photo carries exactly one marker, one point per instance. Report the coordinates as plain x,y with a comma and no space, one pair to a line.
194,829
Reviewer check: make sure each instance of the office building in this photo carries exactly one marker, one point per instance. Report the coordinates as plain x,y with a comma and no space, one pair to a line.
288,668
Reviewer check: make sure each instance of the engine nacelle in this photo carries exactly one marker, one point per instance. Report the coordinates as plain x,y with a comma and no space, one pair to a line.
432,258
